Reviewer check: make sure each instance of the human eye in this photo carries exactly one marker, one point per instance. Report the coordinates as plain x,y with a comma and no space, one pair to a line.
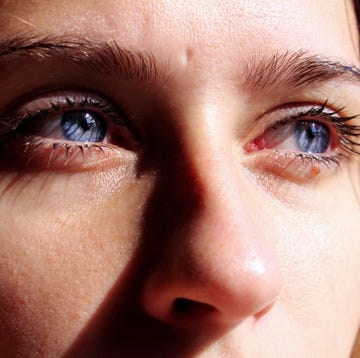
67,129
303,141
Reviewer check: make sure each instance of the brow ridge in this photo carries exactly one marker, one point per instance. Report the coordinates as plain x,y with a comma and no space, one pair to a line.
295,69
108,58
290,69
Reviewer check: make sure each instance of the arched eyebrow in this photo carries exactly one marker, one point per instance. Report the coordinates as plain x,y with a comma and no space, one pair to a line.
287,70
103,57
296,69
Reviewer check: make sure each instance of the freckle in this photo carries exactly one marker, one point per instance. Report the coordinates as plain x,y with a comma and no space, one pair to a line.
49,260
188,56
315,170
75,317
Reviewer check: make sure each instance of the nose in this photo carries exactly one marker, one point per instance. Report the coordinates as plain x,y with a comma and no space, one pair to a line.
213,261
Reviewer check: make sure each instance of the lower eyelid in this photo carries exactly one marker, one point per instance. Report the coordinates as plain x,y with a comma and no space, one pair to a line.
296,167
41,154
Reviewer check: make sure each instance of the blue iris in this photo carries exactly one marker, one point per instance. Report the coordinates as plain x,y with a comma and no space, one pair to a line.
312,137
83,126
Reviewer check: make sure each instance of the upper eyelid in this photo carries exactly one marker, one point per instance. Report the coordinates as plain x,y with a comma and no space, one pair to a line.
294,110
56,102
346,132
87,103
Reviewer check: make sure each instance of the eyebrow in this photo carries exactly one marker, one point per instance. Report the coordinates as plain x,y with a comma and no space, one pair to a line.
107,58
296,69
286,70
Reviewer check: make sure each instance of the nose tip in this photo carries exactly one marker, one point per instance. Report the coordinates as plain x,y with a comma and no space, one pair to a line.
211,285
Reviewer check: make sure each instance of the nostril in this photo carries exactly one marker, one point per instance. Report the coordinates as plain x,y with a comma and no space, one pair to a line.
183,307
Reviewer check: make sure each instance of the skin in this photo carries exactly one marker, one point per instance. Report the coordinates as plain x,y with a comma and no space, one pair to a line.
94,255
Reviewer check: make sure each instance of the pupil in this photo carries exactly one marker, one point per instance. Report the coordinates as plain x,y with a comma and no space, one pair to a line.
311,133
312,137
87,122
83,126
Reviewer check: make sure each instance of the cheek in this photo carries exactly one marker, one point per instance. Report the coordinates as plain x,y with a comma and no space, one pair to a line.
321,248
64,244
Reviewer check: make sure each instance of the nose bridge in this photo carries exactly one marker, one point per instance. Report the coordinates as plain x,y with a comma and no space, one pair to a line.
198,169
208,167
226,235
217,257
223,194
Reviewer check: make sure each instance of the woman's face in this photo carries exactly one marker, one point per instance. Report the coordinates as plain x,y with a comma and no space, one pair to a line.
176,178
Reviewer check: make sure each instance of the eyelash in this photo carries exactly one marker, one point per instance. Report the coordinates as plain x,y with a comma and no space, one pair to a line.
344,132
302,166
13,122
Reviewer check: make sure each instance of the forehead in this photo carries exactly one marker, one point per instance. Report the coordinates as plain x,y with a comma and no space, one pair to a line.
219,30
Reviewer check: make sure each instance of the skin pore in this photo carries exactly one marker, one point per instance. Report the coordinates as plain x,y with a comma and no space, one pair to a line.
195,227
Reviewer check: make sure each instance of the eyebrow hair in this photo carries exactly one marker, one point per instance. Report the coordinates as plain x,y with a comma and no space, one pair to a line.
295,69
107,58
287,70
